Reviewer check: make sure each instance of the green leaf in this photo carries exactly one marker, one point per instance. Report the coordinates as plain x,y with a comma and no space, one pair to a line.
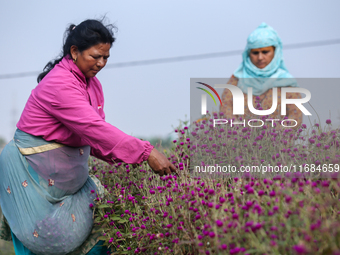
103,206
252,251
115,218
122,221
97,220
103,238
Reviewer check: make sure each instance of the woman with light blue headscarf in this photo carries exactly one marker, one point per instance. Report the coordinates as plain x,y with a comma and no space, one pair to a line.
262,69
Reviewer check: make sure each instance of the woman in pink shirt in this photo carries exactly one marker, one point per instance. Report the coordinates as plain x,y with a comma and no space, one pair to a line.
44,181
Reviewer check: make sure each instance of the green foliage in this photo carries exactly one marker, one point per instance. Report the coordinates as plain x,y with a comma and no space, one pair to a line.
160,142
6,248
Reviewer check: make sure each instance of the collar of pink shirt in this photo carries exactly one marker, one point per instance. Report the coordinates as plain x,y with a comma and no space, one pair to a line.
67,63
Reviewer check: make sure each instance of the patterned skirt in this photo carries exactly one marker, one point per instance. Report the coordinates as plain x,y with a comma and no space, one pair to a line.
45,192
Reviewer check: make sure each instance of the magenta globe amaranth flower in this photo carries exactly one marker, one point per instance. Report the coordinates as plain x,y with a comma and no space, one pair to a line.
328,121
272,193
260,192
212,234
219,223
222,200
250,190
300,249
224,247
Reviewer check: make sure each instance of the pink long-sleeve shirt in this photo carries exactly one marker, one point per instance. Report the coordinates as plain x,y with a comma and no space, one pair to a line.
66,107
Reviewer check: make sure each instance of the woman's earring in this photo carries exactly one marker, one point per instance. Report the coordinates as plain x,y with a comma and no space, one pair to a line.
74,60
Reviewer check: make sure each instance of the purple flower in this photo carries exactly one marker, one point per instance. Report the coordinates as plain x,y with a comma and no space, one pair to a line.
91,205
219,223
272,193
222,200
235,250
169,225
211,191
300,249
175,240
249,223
260,192
224,247
250,190
212,234
328,121
288,199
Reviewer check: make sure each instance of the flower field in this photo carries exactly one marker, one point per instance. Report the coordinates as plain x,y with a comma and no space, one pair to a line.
227,213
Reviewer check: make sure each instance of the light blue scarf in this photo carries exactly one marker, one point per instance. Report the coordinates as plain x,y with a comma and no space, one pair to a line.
273,75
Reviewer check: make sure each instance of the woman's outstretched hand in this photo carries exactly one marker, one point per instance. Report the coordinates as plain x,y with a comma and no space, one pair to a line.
160,164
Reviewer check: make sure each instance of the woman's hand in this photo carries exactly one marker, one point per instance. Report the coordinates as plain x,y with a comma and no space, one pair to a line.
160,164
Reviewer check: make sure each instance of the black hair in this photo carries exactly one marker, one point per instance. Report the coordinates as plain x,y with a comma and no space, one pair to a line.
85,35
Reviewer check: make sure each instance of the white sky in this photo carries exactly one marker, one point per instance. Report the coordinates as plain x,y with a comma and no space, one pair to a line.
148,100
